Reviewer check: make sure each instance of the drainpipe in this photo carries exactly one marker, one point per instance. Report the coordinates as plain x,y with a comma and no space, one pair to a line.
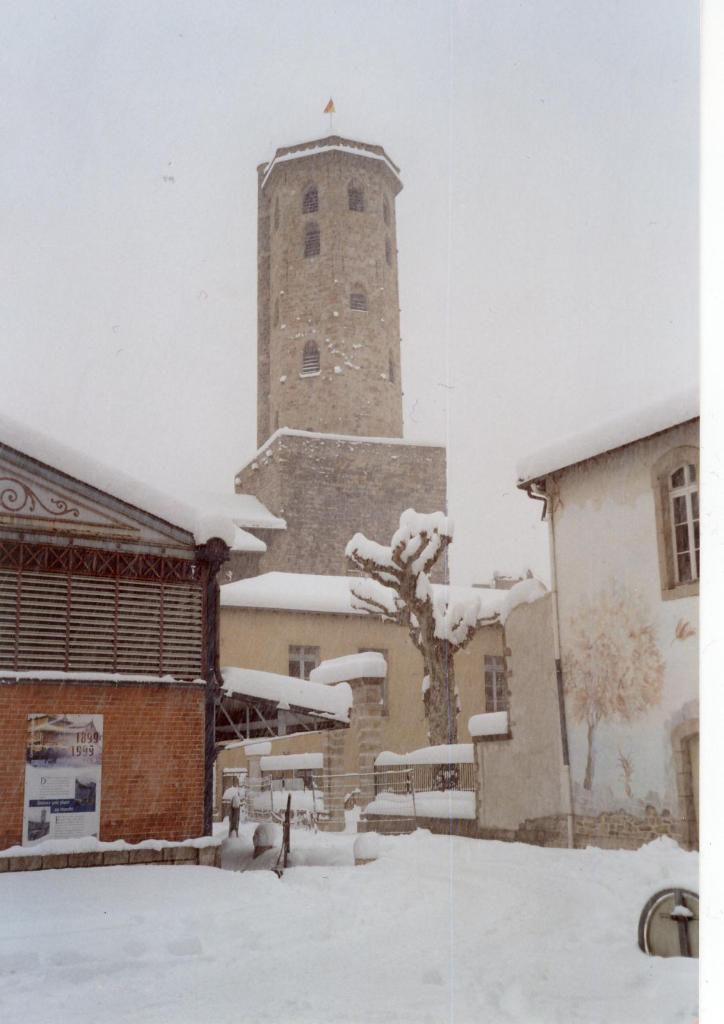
538,493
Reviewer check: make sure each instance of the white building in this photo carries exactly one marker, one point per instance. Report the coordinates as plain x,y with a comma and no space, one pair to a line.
622,506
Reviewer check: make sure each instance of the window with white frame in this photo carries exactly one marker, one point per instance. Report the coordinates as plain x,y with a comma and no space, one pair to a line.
684,511
302,660
496,689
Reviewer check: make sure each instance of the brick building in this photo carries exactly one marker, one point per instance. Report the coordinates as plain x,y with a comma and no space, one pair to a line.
108,614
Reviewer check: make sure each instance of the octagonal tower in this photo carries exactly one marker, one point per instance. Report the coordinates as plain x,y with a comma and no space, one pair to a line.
328,300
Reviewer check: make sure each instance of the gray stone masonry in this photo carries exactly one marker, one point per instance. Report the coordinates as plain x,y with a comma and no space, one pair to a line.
306,297
328,489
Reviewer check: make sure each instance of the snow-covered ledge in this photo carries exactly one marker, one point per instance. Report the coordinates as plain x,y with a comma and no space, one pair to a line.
493,725
366,665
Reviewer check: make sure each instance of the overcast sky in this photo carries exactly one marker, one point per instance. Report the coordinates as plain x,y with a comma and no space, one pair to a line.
547,229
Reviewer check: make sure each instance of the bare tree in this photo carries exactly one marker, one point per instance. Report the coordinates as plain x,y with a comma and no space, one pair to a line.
613,669
399,589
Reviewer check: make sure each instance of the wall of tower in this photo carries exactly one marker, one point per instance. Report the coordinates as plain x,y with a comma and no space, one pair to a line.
307,299
328,488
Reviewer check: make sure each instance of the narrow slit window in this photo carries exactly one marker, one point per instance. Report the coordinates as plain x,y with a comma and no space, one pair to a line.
312,240
310,200
388,252
385,210
310,358
356,199
276,213
391,370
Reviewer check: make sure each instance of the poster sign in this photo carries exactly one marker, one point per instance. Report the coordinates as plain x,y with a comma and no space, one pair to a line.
63,756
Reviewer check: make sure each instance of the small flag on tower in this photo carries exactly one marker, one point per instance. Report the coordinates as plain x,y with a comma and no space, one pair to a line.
329,109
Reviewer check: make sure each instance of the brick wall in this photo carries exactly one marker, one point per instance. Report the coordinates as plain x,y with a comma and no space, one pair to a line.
152,783
327,489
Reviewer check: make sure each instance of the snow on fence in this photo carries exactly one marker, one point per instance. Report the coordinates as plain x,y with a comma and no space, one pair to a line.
438,769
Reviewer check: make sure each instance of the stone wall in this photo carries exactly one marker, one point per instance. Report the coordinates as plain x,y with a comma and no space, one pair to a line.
152,783
307,298
328,488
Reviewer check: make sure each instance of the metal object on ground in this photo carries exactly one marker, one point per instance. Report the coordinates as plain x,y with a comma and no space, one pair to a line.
669,924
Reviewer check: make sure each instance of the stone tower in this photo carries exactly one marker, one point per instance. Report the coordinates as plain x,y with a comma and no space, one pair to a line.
328,301
331,457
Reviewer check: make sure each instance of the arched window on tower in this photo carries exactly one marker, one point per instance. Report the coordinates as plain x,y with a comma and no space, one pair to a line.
356,198
388,252
385,210
312,242
358,298
276,213
310,358
310,200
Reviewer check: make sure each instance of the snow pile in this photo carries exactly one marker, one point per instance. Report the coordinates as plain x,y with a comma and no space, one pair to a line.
558,930
615,433
367,846
448,804
368,664
245,510
89,844
288,692
288,762
525,592
492,723
366,593
455,611
444,753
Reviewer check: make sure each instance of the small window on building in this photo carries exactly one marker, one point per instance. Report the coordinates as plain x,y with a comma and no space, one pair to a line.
385,210
276,312
276,213
684,508
302,660
388,252
312,242
496,690
391,369
310,358
310,200
358,300
356,198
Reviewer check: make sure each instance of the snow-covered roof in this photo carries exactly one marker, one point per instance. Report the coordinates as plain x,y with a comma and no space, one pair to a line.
328,145
245,510
305,592
611,434
290,693
286,762
203,520
244,541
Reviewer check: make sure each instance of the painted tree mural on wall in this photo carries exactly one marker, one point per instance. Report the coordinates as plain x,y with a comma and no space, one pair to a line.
613,669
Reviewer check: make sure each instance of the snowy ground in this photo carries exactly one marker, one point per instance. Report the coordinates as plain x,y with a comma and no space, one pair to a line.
436,931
